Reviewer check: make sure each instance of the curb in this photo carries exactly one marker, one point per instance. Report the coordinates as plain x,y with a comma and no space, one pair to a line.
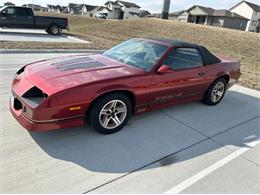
21,51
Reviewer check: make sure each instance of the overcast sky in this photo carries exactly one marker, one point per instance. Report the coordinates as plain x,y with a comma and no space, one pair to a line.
151,5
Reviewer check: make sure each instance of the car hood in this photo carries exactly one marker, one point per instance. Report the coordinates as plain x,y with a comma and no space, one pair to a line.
59,74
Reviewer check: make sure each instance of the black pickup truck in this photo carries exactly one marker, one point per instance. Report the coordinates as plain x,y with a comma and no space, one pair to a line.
22,17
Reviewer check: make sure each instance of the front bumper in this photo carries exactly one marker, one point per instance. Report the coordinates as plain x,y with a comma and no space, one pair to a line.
46,125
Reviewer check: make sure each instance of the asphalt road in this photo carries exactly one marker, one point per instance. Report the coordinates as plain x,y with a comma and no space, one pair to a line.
35,36
191,148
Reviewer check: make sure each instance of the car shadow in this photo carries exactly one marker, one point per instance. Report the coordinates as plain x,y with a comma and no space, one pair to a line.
147,138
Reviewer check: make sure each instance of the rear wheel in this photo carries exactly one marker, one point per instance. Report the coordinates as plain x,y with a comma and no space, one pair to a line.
54,30
110,113
216,92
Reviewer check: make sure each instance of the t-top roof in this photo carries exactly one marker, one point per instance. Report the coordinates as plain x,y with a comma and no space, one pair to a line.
174,42
207,56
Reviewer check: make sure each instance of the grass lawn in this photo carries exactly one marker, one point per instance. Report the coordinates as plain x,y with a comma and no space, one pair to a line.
105,33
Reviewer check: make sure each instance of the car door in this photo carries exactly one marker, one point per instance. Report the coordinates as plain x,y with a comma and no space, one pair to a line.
18,17
23,17
8,17
186,79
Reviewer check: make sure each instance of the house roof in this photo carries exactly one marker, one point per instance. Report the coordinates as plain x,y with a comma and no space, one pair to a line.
112,2
176,13
80,6
125,3
144,13
255,7
207,10
91,7
128,4
227,13
54,6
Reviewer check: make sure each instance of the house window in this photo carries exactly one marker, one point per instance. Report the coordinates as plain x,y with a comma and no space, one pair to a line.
184,58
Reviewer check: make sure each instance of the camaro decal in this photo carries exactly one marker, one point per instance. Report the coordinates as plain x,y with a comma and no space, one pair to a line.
163,98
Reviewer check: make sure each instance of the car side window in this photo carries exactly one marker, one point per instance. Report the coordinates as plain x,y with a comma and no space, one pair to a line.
184,58
10,11
22,12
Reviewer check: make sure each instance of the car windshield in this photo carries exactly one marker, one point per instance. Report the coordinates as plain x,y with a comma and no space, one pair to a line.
138,53
2,8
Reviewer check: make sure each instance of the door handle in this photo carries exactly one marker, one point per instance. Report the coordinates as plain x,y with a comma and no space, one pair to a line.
202,74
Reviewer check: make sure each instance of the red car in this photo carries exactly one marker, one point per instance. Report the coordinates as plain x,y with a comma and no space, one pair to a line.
136,76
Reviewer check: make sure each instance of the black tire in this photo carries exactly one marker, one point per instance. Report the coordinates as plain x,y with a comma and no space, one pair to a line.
95,116
208,96
54,30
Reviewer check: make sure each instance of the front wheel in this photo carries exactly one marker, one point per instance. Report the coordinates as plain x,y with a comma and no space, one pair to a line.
110,113
216,92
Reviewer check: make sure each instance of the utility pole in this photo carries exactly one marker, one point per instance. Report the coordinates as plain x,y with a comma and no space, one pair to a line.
165,9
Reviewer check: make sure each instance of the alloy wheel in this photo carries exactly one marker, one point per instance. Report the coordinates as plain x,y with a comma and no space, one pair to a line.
217,92
113,114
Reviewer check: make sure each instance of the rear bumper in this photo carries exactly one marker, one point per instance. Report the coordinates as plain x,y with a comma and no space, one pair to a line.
44,126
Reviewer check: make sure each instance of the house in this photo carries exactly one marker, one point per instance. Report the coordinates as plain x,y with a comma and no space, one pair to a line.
9,4
251,12
54,8
120,10
95,10
144,13
80,9
211,17
174,15
35,7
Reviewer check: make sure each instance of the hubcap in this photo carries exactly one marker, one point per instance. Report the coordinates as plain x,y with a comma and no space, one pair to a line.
55,30
217,92
113,114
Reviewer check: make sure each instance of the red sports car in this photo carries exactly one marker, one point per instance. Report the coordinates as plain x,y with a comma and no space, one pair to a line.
136,76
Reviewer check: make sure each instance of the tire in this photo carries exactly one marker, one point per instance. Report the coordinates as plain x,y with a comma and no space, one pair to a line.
215,92
54,30
110,113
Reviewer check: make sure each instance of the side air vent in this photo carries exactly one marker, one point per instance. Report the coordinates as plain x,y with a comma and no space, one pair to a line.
92,64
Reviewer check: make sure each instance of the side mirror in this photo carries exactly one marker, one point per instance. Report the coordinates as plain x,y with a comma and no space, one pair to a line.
164,69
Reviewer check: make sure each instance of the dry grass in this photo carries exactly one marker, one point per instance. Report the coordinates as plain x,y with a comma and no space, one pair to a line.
106,33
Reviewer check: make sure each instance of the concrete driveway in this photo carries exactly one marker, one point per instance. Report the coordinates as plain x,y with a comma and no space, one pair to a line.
191,148
35,36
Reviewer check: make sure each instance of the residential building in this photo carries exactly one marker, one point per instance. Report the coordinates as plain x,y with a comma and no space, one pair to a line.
211,17
9,4
80,9
174,15
54,8
95,10
251,12
35,7
120,10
